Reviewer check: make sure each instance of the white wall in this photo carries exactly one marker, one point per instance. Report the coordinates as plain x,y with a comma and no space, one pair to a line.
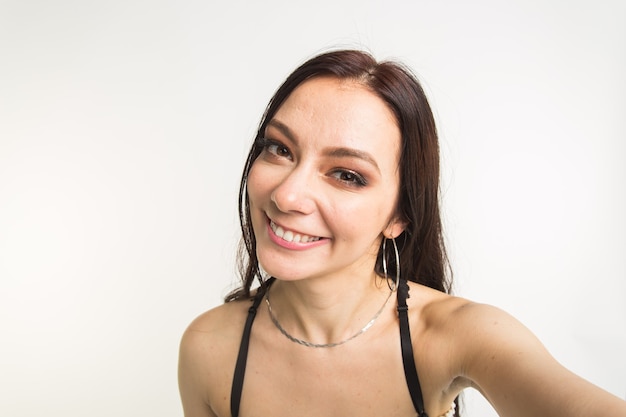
123,128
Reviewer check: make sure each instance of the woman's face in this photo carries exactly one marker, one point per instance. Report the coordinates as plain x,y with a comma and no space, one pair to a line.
326,184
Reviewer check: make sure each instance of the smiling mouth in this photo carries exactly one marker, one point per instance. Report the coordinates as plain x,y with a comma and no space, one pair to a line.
289,236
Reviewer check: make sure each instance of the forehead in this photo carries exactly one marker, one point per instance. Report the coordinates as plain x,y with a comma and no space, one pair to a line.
344,112
348,96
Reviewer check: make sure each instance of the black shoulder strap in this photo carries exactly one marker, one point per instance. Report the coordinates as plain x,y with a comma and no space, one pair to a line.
242,358
410,371
408,360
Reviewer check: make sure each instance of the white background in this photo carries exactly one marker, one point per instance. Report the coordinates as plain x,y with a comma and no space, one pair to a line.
123,129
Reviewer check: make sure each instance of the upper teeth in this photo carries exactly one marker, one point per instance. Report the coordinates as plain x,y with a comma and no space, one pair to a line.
290,236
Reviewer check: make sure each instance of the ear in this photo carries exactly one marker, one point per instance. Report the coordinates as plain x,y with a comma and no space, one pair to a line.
395,228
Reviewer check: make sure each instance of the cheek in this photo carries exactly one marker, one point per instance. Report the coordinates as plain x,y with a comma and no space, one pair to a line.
364,218
256,189
389,200
378,212
255,185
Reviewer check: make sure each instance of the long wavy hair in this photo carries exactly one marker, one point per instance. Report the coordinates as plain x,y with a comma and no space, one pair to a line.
422,251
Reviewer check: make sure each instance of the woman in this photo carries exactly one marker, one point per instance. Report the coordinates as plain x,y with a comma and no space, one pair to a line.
339,206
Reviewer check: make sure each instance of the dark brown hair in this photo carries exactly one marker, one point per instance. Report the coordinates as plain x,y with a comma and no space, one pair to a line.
422,253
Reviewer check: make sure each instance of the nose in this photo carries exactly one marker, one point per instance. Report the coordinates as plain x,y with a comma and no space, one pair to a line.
294,193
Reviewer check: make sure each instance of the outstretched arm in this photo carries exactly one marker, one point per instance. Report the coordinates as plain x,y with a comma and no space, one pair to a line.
518,376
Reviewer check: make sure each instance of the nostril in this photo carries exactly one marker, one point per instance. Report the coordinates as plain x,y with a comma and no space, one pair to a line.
293,198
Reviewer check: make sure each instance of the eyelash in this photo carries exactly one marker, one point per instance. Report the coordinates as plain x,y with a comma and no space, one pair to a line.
355,179
266,144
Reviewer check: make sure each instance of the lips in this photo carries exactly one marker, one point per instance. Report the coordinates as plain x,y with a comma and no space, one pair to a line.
291,236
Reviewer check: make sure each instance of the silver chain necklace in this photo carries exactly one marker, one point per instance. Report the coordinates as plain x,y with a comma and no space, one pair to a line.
321,345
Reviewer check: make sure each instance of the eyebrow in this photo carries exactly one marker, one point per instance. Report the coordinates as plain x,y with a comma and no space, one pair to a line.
336,152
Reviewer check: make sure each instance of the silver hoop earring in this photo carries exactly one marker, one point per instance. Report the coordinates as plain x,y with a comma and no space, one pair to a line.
384,262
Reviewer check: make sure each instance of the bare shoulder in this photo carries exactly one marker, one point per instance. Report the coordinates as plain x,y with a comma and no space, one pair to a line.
208,352
222,321
441,335
440,314
456,317
477,337
485,334
487,348
476,322
213,337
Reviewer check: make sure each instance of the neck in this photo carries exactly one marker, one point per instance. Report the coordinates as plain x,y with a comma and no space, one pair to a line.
325,310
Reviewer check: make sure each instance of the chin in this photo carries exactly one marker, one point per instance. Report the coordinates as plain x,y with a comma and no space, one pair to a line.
277,269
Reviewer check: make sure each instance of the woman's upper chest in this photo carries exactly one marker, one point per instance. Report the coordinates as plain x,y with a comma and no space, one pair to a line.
362,378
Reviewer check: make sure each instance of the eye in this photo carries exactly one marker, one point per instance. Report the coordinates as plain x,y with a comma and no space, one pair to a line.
350,178
276,148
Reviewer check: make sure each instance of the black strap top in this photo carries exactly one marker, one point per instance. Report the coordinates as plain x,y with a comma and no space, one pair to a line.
408,361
